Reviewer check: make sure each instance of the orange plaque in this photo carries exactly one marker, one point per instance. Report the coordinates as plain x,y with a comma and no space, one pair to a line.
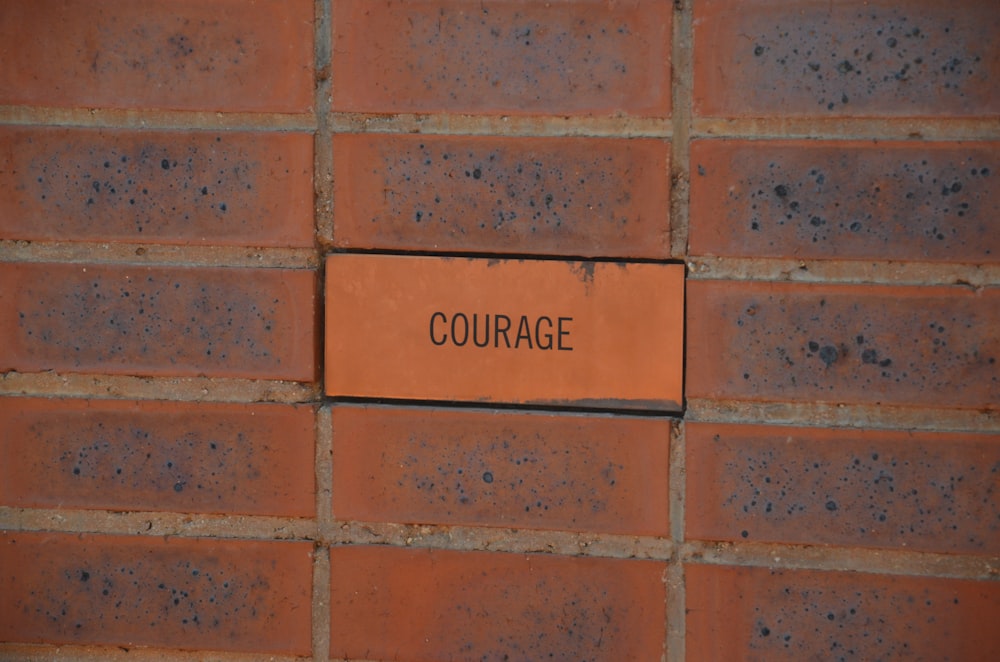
588,334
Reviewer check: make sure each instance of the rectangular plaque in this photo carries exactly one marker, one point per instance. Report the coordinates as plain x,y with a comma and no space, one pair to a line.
585,334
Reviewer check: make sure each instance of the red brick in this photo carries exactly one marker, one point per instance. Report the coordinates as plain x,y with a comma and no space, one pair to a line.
926,491
193,594
183,54
520,57
159,456
246,188
879,200
570,196
759,613
860,58
586,332
922,346
495,468
408,604
136,320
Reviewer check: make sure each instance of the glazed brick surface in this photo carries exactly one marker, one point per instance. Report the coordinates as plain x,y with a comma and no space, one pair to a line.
864,200
929,346
179,55
581,334
852,58
759,613
409,604
569,196
117,319
186,593
922,491
245,188
494,468
158,456
493,56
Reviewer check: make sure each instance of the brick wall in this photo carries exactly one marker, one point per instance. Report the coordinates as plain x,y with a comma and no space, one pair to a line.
174,484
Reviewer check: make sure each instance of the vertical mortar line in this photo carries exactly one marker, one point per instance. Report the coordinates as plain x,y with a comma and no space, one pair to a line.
324,516
323,228
681,117
676,602
324,474
681,83
321,603
323,145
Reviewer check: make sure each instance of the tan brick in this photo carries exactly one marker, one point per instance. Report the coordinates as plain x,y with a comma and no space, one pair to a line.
860,58
495,56
507,469
186,593
178,55
177,187
933,201
762,613
921,491
569,196
159,456
185,321
920,346
410,604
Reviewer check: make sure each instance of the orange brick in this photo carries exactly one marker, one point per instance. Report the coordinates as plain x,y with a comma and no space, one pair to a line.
500,56
569,196
860,58
118,319
194,594
925,491
543,471
880,200
182,55
251,189
589,334
922,346
758,613
117,455
407,604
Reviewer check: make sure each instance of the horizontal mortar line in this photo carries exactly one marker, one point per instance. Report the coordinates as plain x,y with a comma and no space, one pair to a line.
146,254
155,523
100,653
848,416
494,539
518,541
881,129
495,256
821,271
116,118
502,125
511,407
854,559
390,404
51,384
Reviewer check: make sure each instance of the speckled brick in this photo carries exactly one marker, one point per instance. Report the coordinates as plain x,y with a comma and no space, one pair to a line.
570,196
182,55
759,613
186,593
852,58
495,468
421,604
924,491
523,57
866,344
158,456
245,188
934,201
120,319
